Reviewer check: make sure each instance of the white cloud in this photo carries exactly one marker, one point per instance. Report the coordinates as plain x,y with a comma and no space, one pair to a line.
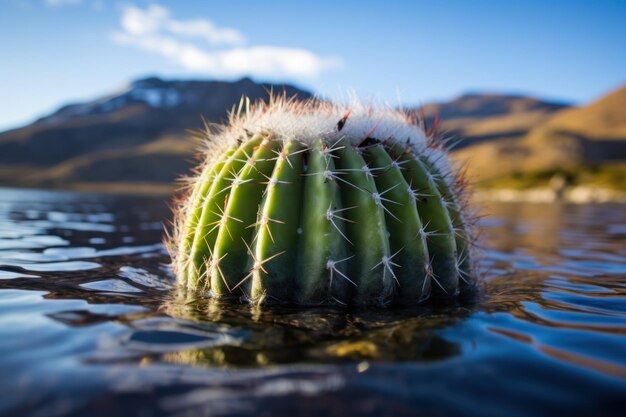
57,3
224,52
156,19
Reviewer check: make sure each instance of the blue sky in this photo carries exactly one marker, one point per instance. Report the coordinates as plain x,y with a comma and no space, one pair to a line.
59,51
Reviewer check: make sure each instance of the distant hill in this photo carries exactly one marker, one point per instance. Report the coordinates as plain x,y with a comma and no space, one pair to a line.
135,135
604,119
136,138
475,118
569,139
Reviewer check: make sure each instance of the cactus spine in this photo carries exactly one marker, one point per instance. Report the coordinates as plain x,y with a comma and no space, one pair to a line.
312,203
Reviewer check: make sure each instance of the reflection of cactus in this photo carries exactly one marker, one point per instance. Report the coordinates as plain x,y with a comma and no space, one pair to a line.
312,203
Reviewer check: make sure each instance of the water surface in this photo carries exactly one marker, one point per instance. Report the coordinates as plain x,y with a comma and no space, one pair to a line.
90,324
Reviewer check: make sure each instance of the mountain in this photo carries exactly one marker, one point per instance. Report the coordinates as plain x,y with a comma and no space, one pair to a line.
475,118
569,139
135,135
604,119
136,138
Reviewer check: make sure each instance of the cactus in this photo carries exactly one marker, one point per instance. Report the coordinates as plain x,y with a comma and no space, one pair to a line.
313,203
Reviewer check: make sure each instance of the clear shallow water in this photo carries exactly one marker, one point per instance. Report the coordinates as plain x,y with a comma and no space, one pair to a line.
90,325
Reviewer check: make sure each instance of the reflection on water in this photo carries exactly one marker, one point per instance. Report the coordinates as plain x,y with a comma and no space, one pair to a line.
91,324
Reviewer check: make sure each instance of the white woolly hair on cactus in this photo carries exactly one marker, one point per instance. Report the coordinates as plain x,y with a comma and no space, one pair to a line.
311,202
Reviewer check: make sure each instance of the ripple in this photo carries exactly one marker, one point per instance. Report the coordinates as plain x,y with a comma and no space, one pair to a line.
169,336
100,320
143,277
13,275
86,252
33,242
78,226
616,229
580,316
54,266
111,285
562,282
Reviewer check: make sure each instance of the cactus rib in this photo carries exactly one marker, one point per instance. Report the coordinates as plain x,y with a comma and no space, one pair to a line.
276,237
233,241
322,255
408,243
194,212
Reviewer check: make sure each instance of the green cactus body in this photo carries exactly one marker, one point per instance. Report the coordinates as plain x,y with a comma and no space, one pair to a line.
232,246
408,260
205,230
460,231
313,208
438,226
322,250
276,236
195,209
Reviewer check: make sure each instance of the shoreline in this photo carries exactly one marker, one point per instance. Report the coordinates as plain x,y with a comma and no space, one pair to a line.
144,189
582,194
577,195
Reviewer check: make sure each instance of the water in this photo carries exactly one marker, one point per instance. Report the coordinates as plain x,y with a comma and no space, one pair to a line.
91,325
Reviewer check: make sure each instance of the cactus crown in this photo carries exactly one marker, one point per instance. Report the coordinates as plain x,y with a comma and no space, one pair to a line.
311,203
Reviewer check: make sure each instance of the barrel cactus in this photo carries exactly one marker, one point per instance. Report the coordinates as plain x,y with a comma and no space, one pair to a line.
313,203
